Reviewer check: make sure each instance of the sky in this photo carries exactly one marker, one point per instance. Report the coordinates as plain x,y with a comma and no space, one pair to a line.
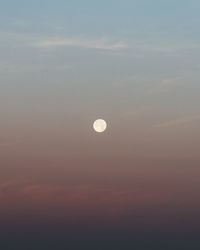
63,64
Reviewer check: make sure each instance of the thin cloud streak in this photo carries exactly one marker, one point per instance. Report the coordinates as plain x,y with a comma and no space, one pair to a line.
103,43
167,85
178,122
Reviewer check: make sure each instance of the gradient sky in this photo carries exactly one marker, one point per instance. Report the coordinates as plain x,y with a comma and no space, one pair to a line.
134,63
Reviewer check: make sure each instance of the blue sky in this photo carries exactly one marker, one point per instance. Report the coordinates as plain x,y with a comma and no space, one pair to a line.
99,17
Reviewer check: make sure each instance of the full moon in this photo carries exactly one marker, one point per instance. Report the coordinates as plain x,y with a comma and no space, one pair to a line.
100,125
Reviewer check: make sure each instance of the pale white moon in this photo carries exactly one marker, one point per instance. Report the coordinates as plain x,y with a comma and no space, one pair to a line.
100,125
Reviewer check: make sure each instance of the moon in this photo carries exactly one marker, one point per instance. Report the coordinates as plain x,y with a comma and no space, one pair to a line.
99,125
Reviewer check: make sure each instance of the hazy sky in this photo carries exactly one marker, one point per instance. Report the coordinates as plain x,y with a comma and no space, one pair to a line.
134,63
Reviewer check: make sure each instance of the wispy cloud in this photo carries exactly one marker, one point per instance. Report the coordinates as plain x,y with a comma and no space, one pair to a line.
72,199
166,85
178,121
136,112
102,43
